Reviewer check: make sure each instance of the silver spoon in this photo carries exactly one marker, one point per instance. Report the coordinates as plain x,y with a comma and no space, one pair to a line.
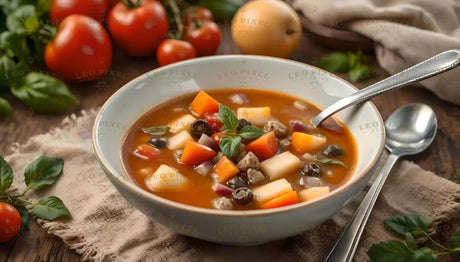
409,131
435,65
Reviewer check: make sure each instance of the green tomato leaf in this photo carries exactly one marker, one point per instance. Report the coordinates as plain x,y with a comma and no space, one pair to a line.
410,241
6,176
251,132
223,10
43,172
51,208
23,20
414,224
360,72
423,255
24,216
455,239
156,130
228,118
229,145
5,108
389,251
325,160
335,62
44,93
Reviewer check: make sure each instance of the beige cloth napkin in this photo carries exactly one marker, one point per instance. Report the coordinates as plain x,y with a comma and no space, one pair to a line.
104,227
405,32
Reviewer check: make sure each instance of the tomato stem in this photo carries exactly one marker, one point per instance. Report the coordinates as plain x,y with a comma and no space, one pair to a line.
130,4
177,18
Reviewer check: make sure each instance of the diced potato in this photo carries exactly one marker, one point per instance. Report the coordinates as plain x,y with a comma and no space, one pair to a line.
179,140
271,190
166,178
302,143
280,165
181,123
313,192
256,115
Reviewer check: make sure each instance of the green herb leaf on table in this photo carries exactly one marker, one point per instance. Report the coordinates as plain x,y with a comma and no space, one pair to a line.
251,132
156,130
229,145
389,251
349,62
360,72
455,239
44,93
410,241
51,208
24,215
43,172
6,176
228,118
335,62
325,160
9,71
5,108
414,224
423,254
23,20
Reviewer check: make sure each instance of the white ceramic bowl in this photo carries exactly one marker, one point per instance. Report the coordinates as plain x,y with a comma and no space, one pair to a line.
227,226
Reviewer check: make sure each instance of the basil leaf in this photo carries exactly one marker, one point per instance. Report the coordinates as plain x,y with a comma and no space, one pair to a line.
24,216
43,172
391,250
9,6
423,254
360,72
228,118
6,176
414,224
44,93
354,58
229,145
325,160
156,130
23,20
5,108
51,208
455,239
251,132
8,71
222,10
15,45
43,6
335,62
410,241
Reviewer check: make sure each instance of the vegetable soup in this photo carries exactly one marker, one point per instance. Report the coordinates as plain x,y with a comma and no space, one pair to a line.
238,149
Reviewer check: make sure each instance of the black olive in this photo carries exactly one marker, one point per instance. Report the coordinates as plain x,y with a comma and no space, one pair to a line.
237,182
311,169
243,196
242,123
199,127
333,150
158,142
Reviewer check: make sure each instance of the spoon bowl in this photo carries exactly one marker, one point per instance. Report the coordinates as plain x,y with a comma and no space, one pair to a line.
409,130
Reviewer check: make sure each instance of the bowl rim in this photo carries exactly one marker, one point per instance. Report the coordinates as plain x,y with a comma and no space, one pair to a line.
230,213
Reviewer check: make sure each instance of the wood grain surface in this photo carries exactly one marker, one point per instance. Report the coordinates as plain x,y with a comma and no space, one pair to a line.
442,158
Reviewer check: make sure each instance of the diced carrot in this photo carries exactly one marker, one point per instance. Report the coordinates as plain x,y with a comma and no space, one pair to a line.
264,147
302,143
204,103
224,169
147,152
286,199
195,153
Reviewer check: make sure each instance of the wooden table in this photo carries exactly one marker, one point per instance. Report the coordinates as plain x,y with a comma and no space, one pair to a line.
34,244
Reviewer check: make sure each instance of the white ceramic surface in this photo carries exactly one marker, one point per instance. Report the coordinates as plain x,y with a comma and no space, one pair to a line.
235,71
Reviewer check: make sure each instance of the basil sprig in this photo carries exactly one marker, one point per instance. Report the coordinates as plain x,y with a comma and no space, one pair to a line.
42,172
347,62
156,130
229,144
410,227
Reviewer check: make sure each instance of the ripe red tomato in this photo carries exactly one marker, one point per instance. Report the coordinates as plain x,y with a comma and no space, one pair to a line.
112,3
172,50
196,13
80,51
10,222
60,9
140,29
214,121
204,36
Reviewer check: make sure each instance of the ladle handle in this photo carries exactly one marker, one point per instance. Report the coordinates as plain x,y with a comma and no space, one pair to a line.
345,247
428,68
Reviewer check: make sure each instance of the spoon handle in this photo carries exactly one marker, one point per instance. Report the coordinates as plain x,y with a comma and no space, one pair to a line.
428,68
345,247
